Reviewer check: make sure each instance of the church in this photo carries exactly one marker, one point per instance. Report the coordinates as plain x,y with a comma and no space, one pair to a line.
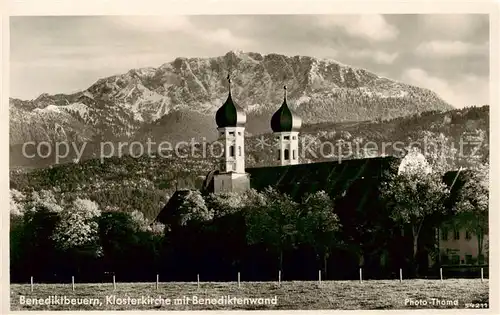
353,184
289,176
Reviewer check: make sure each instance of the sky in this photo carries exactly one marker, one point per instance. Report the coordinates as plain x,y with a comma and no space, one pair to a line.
446,53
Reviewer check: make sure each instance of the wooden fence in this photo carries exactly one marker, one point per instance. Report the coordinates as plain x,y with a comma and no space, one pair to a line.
279,279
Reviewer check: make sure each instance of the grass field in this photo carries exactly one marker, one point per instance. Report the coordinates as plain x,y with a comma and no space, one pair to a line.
342,295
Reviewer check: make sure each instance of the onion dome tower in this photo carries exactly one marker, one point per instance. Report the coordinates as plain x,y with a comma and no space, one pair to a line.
230,114
231,119
286,126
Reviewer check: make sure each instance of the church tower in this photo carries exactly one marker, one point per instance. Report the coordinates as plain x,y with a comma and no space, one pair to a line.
285,126
231,119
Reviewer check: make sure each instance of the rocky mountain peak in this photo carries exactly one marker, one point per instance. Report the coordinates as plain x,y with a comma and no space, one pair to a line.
319,90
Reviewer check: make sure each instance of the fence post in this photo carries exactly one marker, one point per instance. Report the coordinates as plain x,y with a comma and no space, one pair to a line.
441,273
482,274
198,280
157,281
400,275
73,282
31,282
319,276
360,275
114,283
279,277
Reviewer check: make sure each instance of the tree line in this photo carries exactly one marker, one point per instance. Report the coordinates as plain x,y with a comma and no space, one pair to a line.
255,232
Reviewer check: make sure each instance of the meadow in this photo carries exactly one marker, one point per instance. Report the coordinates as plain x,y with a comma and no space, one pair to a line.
304,295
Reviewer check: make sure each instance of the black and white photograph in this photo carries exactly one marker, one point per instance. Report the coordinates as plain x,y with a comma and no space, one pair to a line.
169,162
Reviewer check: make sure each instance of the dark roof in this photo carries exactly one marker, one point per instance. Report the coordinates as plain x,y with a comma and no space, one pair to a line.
230,114
333,177
284,120
355,181
354,184
167,214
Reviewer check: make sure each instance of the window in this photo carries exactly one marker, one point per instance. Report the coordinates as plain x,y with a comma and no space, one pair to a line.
287,154
444,234
231,151
468,235
468,259
294,154
279,156
445,259
286,137
456,235
239,133
294,137
239,150
231,133
455,260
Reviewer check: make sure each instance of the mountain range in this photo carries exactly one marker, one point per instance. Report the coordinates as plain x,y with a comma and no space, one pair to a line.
177,101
